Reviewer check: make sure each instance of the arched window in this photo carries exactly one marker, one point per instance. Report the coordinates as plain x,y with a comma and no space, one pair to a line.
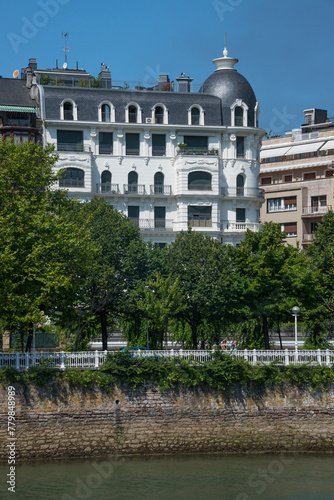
240,185
159,183
132,182
132,110
195,113
72,177
158,115
238,116
68,111
106,181
199,181
105,108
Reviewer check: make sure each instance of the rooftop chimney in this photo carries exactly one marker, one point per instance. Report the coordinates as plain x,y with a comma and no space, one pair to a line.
184,83
105,77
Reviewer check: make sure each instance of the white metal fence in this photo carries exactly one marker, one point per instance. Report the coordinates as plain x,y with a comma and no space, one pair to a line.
95,359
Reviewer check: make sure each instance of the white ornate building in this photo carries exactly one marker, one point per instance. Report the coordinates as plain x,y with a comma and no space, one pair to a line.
167,157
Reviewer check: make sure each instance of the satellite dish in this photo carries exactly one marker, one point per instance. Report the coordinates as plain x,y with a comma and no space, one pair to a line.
64,65
16,73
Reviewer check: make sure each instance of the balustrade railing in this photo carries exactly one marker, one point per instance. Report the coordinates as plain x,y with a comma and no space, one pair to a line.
106,187
242,192
95,359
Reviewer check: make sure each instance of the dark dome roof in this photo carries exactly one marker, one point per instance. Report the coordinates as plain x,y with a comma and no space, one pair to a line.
229,85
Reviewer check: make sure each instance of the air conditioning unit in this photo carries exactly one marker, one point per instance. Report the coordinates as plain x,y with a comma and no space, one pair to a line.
149,120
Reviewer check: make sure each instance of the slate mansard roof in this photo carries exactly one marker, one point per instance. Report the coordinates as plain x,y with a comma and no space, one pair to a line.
88,101
15,93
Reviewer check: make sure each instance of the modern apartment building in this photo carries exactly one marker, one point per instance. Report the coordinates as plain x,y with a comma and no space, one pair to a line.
297,174
166,156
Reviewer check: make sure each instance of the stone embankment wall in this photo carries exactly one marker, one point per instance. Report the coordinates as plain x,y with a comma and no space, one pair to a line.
59,421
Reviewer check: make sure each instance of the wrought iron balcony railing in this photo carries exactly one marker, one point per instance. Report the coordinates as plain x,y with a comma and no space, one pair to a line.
71,183
134,188
77,147
161,189
152,224
185,150
107,188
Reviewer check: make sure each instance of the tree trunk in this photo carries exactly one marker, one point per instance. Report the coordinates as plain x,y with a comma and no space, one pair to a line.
194,335
103,318
29,341
265,331
279,334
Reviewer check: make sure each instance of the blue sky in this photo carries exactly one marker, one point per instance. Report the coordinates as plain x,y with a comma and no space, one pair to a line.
284,47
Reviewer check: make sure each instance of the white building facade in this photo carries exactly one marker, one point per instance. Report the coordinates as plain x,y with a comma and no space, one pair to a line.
168,159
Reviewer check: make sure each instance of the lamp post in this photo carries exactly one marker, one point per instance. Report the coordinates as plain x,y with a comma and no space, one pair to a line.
295,313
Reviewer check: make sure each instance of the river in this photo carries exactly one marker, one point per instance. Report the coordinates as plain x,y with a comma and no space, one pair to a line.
202,477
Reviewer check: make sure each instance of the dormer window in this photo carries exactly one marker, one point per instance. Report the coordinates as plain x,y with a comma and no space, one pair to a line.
238,116
158,115
195,116
105,109
68,111
106,112
132,114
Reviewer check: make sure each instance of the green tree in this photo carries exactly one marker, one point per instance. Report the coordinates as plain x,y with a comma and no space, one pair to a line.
275,278
207,280
40,244
120,263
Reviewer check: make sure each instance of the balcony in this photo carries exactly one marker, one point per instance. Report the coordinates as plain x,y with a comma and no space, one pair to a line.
185,150
158,151
134,189
161,189
132,151
316,210
77,147
152,224
240,226
200,221
105,149
242,192
72,183
107,188
308,237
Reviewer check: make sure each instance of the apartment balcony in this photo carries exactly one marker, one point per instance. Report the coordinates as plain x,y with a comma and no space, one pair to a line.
242,192
184,150
70,183
163,190
200,221
240,227
77,147
153,224
138,189
316,211
308,238
107,188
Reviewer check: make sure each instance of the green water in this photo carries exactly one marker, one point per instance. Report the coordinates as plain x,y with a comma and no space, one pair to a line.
267,477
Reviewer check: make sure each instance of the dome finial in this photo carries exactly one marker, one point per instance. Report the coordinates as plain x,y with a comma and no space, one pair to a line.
225,49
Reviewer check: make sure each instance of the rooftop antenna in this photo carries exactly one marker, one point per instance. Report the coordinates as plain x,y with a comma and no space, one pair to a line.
66,48
225,49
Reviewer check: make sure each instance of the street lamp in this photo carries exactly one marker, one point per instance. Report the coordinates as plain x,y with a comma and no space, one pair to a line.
295,313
